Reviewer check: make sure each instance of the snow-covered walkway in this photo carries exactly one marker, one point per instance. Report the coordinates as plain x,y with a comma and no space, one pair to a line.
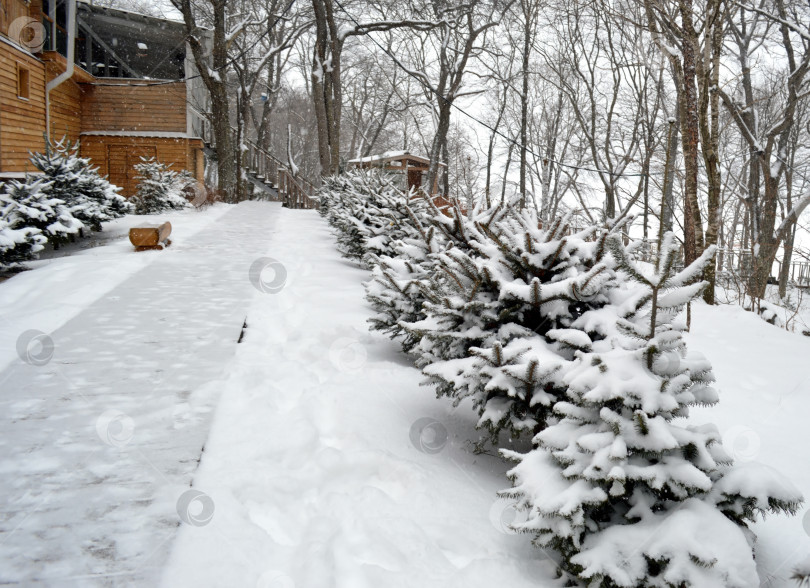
99,442
329,466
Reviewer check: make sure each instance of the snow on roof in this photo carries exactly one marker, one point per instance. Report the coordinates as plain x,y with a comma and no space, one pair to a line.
386,156
177,19
154,134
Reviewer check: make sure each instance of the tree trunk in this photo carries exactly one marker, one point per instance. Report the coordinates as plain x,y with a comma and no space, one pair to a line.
439,146
214,76
321,88
693,231
668,209
784,273
524,98
708,70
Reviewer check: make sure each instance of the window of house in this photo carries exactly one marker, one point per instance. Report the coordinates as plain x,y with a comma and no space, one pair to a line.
23,82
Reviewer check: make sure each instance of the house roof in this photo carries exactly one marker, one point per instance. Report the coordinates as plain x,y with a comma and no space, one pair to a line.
153,134
391,156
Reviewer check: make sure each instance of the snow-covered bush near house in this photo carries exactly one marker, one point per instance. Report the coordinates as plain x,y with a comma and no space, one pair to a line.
89,197
34,207
369,213
159,187
19,238
626,495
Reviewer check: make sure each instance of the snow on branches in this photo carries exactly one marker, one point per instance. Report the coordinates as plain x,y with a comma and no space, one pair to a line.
563,334
497,328
369,213
159,187
23,210
89,197
66,197
627,495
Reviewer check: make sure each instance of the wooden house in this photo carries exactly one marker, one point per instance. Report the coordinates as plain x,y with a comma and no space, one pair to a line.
120,83
408,168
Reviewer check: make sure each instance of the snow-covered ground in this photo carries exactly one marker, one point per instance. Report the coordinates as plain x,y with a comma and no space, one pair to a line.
71,278
763,375
326,464
105,413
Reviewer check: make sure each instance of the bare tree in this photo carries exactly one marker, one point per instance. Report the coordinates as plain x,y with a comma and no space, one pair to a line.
769,145
459,35
214,74
334,24
674,32
599,75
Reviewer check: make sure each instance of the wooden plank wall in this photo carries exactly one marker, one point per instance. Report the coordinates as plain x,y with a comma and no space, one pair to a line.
180,153
66,106
22,121
135,108
13,9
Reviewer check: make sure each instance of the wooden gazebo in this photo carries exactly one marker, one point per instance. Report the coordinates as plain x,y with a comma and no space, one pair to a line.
411,167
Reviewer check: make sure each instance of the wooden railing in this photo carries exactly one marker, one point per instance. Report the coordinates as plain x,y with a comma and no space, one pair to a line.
294,191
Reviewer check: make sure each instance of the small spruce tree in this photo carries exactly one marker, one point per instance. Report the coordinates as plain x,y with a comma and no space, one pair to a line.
400,283
90,198
369,213
625,494
40,210
159,187
20,238
498,332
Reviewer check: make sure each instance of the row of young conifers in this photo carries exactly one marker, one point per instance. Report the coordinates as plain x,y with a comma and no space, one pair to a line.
67,196
566,337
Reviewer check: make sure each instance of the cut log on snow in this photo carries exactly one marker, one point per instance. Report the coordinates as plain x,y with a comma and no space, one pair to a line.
152,237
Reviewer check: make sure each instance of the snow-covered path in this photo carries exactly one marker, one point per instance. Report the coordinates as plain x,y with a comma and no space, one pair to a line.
98,444
315,468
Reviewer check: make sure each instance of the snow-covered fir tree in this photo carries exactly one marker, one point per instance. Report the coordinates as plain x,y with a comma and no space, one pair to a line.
369,213
460,310
90,198
403,280
400,283
20,238
626,494
35,207
499,332
159,187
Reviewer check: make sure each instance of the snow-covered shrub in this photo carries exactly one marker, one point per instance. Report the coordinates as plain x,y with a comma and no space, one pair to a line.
35,207
402,281
625,494
566,334
159,187
498,326
460,308
20,238
90,198
771,312
369,213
